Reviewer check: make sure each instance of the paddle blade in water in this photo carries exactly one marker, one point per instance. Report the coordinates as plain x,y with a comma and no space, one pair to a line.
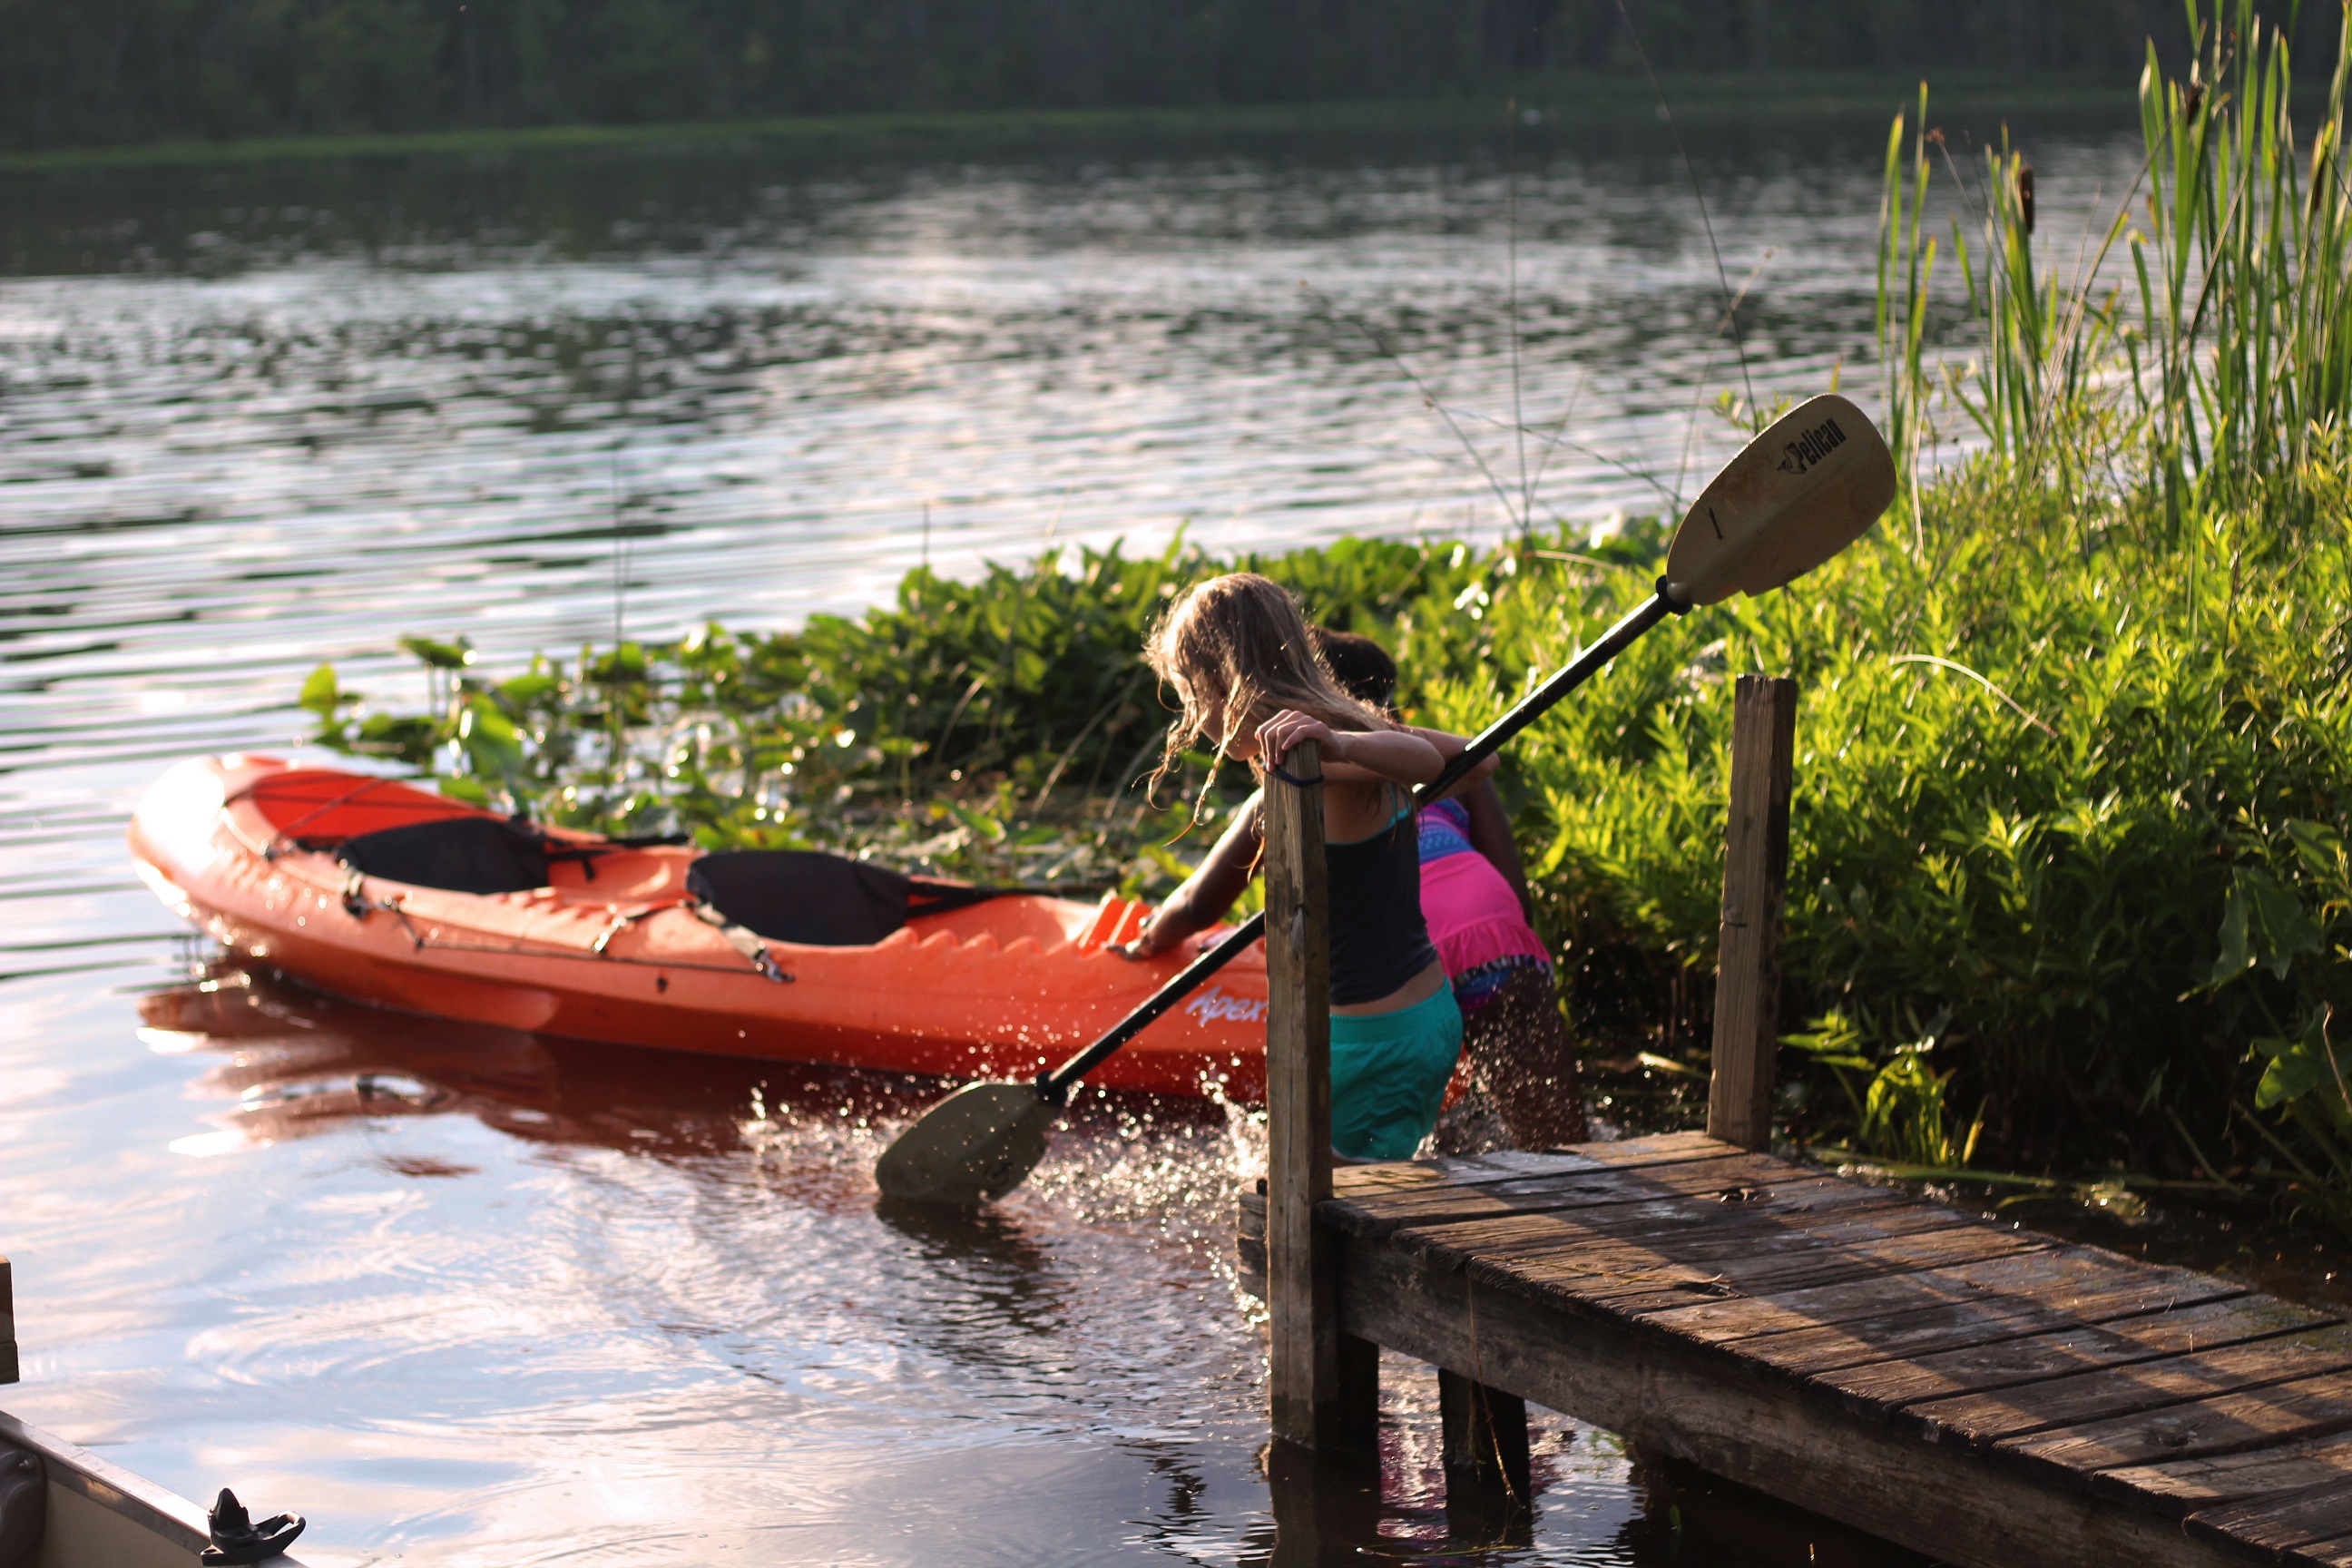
979,1142
1798,493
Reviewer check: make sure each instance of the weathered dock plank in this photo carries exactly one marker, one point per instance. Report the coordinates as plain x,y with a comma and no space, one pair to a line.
1915,1377
2227,1424
2317,1519
1971,1389
2192,1486
2076,1399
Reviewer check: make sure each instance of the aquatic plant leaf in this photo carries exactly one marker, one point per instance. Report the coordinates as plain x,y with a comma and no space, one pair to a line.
2321,849
2264,924
2298,1067
1903,1111
2236,956
626,665
320,693
489,738
2319,845
409,737
525,690
439,655
990,829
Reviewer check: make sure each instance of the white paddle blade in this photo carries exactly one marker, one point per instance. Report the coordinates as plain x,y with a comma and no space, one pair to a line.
1798,493
978,1144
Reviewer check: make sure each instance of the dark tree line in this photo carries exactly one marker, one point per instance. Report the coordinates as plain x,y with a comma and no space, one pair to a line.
97,71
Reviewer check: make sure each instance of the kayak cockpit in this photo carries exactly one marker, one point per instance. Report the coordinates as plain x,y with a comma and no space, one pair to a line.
816,899
391,831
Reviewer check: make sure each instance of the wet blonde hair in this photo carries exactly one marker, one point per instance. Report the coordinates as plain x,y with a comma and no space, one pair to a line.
1237,651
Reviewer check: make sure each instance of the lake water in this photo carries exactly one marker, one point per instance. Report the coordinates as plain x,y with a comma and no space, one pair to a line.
469,1297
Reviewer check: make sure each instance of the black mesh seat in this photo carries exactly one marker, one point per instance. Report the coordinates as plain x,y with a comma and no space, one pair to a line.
460,854
817,899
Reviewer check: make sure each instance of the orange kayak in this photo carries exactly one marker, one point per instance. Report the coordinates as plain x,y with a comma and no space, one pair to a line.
380,891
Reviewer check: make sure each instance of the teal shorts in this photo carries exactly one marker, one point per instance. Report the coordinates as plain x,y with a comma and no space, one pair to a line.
1389,1072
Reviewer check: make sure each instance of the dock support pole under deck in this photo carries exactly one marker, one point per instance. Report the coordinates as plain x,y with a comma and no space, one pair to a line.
1486,1439
1755,884
1324,1384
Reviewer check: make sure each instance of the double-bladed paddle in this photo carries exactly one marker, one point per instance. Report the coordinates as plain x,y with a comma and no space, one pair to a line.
1808,487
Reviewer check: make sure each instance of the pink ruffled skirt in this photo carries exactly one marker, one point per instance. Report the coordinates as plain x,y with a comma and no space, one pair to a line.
1473,917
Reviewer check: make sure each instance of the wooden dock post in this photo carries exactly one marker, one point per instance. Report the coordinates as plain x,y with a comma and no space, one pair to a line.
1323,1512
1755,885
1486,1439
1324,1384
7,1325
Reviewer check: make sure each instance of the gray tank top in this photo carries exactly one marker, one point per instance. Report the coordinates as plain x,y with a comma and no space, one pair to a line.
1378,939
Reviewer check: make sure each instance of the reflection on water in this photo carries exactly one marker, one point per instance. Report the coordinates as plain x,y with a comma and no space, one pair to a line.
296,1062
501,1298
1694,1517
466,1296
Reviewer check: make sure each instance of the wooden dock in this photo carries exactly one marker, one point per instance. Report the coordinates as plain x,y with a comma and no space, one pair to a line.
1976,1391
1969,1389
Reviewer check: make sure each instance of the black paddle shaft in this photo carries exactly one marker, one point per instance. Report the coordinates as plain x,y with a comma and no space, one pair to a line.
1536,703
1054,1087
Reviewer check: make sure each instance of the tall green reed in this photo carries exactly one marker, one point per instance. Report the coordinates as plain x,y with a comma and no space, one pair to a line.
2152,500
2229,368
2246,293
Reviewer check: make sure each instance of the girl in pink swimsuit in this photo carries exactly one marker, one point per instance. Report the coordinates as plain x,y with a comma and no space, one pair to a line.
1474,913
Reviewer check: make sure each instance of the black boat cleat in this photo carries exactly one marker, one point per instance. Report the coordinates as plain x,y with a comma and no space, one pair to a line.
236,1538
24,1506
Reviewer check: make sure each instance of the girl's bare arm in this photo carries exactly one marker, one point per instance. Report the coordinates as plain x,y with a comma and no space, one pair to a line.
1449,746
1353,756
1490,835
1209,891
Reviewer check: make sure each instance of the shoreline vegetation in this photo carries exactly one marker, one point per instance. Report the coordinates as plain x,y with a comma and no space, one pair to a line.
1560,101
147,71
2071,892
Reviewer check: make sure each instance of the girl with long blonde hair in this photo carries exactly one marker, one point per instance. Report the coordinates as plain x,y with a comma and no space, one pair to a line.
1250,681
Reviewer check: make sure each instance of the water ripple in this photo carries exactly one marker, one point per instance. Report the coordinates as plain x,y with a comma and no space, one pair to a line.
470,1296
